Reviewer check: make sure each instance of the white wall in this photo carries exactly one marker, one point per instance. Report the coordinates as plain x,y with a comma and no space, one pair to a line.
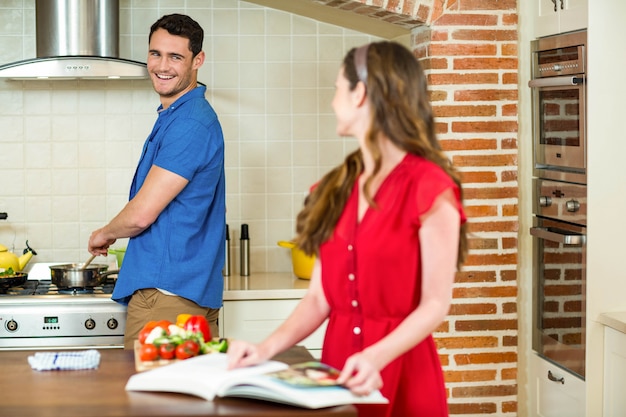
68,149
606,277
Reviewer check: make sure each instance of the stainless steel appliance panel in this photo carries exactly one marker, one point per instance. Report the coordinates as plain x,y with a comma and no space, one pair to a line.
70,321
559,107
559,229
559,278
39,315
560,200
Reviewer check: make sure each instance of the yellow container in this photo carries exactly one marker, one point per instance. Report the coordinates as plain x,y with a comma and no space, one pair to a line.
302,263
119,255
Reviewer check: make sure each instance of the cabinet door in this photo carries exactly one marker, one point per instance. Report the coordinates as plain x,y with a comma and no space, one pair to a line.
614,373
254,320
547,22
560,16
557,393
574,15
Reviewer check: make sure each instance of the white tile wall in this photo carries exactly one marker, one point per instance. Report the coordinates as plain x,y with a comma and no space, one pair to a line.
68,148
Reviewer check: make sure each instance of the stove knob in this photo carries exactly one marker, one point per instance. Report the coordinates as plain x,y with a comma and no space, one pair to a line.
90,324
112,323
11,325
572,206
545,201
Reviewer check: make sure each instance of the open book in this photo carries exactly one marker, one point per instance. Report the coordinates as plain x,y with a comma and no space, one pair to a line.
307,385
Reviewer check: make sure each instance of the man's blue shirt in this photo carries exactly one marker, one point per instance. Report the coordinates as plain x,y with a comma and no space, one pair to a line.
183,250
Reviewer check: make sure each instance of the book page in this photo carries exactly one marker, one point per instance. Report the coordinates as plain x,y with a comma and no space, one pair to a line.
270,388
309,384
200,376
308,374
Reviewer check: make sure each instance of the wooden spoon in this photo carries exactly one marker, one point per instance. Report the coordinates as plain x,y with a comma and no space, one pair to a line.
86,264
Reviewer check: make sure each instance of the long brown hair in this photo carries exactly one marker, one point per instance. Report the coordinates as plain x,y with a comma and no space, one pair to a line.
401,111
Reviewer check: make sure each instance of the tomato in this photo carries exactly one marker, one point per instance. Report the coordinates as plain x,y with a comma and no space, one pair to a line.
187,349
181,319
167,351
199,324
143,334
148,352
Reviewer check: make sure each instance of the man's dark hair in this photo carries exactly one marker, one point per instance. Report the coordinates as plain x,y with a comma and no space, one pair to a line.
181,25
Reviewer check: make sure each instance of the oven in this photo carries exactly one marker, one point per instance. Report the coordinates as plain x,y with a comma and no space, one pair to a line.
558,95
38,315
559,260
559,230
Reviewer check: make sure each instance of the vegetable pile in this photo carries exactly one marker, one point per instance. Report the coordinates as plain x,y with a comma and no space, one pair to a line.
188,337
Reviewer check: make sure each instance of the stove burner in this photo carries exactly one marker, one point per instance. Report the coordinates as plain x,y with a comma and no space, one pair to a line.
45,287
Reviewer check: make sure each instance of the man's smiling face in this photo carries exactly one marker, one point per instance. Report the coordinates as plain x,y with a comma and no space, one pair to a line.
172,66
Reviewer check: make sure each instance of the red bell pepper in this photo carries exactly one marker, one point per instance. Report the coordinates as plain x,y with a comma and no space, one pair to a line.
199,324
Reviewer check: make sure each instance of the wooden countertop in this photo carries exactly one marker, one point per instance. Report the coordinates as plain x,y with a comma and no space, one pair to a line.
264,286
101,393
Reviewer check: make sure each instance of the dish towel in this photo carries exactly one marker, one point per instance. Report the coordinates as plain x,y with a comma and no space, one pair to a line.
53,361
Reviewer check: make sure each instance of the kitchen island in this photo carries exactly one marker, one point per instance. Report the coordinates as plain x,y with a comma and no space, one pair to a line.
101,393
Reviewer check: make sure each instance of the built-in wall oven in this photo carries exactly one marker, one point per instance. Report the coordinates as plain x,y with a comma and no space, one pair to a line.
559,237
559,107
559,199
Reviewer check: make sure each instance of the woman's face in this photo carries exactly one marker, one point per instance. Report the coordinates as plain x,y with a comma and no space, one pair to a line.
345,105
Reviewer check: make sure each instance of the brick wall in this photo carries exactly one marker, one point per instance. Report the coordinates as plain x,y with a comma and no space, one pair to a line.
469,50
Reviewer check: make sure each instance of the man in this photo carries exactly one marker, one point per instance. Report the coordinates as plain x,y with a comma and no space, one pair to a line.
175,217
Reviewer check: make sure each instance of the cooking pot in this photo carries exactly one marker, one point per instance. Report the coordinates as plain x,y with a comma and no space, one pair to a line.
302,263
74,276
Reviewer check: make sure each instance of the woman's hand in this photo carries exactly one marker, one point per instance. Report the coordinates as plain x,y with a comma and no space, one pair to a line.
360,375
242,354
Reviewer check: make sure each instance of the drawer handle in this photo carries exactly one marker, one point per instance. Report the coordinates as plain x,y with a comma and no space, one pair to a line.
555,379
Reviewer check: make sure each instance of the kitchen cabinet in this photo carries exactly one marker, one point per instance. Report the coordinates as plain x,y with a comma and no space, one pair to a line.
614,373
559,16
254,306
556,392
254,320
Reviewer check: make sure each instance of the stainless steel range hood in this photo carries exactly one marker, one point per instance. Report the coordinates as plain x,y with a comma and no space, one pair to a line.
76,39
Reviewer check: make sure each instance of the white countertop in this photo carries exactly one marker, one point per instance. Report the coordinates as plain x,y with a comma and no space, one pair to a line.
256,286
615,320
264,286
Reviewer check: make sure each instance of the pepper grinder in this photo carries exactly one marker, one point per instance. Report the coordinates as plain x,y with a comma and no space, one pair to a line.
244,247
226,270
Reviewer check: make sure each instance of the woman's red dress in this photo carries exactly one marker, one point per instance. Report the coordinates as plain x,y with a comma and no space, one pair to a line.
371,275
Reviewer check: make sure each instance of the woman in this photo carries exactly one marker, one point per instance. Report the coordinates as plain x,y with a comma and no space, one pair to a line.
389,229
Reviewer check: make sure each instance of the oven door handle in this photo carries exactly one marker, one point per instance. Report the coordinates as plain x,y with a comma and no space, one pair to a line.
563,81
564,238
